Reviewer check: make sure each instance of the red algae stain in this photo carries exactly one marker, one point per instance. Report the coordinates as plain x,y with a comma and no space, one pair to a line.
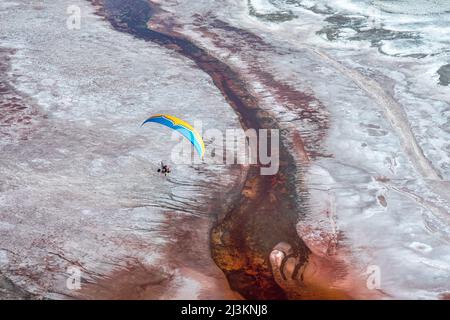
302,104
17,114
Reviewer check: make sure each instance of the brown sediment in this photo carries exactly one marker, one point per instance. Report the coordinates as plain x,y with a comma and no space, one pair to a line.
444,296
382,200
266,212
134,280
130,282
17,114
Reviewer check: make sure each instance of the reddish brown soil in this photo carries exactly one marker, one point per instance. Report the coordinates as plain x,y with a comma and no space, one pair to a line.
17,112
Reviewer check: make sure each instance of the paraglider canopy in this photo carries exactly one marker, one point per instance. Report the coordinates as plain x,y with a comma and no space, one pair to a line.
182,127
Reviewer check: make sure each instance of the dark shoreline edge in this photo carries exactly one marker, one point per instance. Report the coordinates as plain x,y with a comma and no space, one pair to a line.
242,241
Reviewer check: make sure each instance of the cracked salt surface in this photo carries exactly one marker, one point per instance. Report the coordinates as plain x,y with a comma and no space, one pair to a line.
83,189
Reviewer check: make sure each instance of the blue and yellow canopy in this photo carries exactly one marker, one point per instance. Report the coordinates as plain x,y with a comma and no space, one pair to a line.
182,127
